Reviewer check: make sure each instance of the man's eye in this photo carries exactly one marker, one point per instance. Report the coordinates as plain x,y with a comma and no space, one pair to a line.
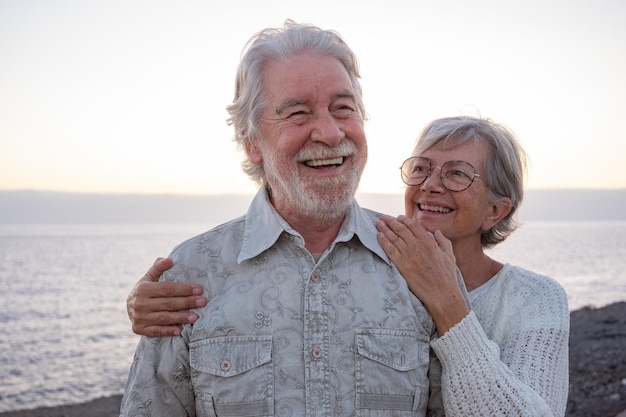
343,112
297,116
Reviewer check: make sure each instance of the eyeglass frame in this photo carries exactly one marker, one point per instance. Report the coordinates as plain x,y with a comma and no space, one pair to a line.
441,177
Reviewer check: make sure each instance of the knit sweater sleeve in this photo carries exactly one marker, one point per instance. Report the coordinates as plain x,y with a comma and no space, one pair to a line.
526,375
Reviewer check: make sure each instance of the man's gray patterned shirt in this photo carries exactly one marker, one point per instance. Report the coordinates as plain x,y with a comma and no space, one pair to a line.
284,335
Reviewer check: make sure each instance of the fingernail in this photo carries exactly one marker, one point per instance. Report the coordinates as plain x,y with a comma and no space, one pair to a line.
192,318
197,291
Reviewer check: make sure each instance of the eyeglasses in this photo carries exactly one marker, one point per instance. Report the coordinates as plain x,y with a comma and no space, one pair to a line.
455,175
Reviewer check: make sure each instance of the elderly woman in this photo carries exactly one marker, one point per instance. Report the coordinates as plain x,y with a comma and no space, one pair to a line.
503,354
506,353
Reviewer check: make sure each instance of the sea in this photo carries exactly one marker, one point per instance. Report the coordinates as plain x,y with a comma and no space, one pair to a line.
66,338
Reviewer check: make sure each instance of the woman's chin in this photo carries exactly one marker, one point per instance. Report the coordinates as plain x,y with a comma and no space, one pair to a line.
429,224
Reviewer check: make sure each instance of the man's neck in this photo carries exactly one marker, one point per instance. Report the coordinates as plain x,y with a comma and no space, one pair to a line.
318,232
318,235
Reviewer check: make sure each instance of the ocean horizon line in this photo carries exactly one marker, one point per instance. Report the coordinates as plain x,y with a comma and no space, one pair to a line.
38,206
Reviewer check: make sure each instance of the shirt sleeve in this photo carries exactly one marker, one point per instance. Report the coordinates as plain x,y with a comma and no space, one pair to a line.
527,375
159,382
435,400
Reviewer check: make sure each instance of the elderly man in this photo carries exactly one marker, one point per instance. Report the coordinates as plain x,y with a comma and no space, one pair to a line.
306,315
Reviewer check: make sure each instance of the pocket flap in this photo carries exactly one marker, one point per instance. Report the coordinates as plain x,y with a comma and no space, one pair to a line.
398,349
231,355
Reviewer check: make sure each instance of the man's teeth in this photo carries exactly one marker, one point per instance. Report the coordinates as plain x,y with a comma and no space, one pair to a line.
324,162
434,208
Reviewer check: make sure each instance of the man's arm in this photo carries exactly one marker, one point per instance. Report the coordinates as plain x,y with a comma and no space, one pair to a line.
159,382
155,307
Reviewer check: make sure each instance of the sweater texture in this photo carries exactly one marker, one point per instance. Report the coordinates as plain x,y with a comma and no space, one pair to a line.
509,355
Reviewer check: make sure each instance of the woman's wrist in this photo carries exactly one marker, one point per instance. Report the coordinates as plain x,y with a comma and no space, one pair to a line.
448,311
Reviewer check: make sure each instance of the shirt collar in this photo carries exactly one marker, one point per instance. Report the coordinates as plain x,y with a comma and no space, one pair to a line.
264,226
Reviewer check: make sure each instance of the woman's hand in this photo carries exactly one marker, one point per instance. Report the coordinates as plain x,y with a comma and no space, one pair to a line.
428,264
155,307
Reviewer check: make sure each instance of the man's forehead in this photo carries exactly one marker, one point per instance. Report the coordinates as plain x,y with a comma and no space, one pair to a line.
304,71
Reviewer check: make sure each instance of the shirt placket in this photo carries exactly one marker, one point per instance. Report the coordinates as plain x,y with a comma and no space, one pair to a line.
316,337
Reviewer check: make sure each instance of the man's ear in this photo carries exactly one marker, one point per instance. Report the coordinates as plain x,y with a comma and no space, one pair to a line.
254,153
498,211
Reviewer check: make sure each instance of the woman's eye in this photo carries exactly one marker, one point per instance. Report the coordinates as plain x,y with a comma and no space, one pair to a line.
459,173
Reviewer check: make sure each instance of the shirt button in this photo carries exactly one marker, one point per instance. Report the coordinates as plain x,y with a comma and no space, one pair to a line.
315,277
316,353
225,365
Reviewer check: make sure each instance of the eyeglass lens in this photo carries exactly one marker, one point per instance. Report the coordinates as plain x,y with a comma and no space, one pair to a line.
455,175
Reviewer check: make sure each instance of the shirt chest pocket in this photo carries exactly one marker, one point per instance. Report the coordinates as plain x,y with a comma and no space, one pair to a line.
391,371
233,376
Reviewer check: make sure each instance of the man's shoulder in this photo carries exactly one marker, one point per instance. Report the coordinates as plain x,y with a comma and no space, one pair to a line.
371,215
230,229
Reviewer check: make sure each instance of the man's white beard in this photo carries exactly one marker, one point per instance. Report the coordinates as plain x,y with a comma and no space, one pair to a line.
323,199
326,201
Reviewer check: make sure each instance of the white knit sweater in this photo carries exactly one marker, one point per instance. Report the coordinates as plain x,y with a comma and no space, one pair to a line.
509,356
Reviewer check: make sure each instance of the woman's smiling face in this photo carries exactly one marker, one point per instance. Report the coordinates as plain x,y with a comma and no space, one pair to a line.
458,214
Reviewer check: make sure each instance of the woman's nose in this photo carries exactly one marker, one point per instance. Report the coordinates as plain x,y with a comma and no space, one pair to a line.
433,181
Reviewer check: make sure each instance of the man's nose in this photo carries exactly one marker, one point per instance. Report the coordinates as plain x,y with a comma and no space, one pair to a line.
326,129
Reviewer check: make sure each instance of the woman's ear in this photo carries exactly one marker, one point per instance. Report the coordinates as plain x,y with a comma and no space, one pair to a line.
497,211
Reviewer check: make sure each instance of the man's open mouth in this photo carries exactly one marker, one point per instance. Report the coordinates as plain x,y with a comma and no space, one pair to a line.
321,163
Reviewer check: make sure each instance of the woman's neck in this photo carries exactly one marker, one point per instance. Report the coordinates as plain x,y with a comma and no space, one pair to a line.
475,266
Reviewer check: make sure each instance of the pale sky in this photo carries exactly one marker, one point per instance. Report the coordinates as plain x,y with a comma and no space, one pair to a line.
129,96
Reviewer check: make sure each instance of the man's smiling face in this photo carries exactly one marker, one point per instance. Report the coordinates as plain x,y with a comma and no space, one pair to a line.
313,145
